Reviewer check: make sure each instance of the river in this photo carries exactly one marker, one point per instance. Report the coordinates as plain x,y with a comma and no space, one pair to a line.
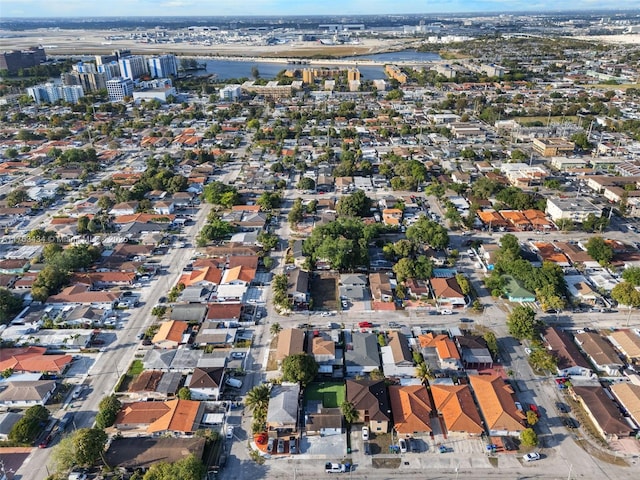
225,69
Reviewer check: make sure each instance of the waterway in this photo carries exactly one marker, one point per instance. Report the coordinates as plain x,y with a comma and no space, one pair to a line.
371,66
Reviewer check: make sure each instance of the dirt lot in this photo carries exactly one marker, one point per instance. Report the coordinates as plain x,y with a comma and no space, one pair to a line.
324,291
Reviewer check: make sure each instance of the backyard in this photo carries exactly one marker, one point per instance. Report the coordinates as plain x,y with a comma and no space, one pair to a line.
324,291
331,394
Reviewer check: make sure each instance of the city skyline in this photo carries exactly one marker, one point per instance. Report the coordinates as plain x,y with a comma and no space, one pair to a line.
115,8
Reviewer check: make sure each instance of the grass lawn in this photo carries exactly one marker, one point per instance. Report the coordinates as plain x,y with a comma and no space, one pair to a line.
330,393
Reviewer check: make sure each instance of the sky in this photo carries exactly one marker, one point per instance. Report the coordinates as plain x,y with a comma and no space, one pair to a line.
117,8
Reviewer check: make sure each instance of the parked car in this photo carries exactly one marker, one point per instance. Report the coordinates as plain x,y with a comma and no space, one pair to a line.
293,449
534,409
403,445
280,446
365,434
270,444
229,432
335,467
446,311
531,457
367,448
563,407
45,442
345,304
414,445
570,422
237,355
365,324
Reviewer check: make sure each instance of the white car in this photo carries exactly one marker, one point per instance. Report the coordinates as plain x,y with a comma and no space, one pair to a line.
446,312
531,457
229,432
365,434
403,445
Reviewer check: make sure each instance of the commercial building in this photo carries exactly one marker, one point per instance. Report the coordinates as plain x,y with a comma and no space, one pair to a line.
18,59
119,88
163,66
133,67
575,209
230,93
551,147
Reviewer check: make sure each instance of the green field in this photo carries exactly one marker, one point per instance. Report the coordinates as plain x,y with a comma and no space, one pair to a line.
546,120
330,393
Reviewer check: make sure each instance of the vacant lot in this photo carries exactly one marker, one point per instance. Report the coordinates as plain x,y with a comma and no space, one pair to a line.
330,393
324,291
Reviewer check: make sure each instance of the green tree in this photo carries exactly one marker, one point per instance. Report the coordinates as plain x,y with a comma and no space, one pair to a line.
107,411
355,205
83,225
582,141
528,437
532,418
29,426
522,323
306,183
463,282
543,360
189,468
184,393
269,200
10,305
89,445
424,373
599,250
626,294
428,232
492,342
349,412
296,214
275,328
217,193
258,397
64,454
300,368
632,275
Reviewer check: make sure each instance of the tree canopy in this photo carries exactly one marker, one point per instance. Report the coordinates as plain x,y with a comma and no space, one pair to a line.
217,193
107,411
522,323
355,205
300,368
189,468
625,293
10,305
428,232
30,425
599,250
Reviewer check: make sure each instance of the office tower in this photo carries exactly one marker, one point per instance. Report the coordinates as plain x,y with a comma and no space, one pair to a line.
163,66
119,88
133,67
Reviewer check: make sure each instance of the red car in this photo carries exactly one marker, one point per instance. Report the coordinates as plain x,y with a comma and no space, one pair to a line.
365,324
45,443
534,409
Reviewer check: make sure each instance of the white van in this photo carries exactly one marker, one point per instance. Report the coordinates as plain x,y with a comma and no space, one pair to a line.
233,382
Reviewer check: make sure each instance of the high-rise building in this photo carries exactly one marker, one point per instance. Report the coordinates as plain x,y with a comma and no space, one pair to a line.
133,67
353,74
119,88
110,70
104,59
163,66
82,67
308,76
51,93
91,82
17,59
230,92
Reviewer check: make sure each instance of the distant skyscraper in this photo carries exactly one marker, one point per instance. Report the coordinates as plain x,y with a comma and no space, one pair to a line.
110,70
118,88
353,74
133,67
163,66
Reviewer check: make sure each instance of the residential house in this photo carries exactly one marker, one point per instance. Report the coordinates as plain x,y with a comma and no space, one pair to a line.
33,359
370,399
416,288
323,421
85,315
446,291
81,294
392,216
600,352
282,414
329,359
26,394
290,342
124,208
210,334
570,360
132,454
202,277
298,287
628,343
170,334
380,286
412,409
7,421
188,312
497,405
602,411
446,351
143,387
296,252
353,287
455,405
361,355
14,266
628,396
163,207
397,360
176,417
474,352
205,383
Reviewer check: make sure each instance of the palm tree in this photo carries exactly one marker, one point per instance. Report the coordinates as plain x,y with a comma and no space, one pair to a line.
349,412
424,372
258,397
275,328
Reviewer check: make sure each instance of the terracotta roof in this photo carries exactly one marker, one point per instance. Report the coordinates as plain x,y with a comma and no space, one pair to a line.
548,253
206,274
143,217
322,345
171,331
147,381
446,288
32,359
224,311
496,402
82,294
411,407
173,415
250,261
290,342
135,453
458,410
446,348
